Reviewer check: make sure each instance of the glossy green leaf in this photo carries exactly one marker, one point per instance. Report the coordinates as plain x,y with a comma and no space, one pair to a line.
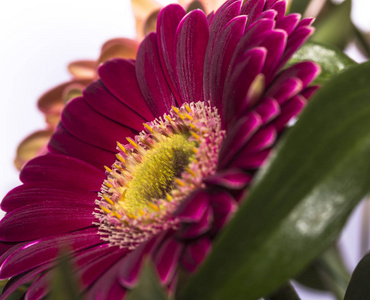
336,27
148,286
331,60
359,287
301,198
64,284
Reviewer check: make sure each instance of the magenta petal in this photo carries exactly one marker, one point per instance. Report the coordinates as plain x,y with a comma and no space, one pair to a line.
116,291
218,62
195,253
168,20
224,15
101,100
268,109
283,89
267,14
40,287
17,281
252,9
97,268
236,137
280,7
218,15
253,161
238,82
308,92
193,230
252,36
62,142
12,249
62,169
223,206
295,40
150,77
288,111
306,22
80,120
36,192
288,23
306,71
44,251
274,42
193,208
129,268
263,139
119,77
191,42
90,255
233,179
107,286
270,3
166,259
34,221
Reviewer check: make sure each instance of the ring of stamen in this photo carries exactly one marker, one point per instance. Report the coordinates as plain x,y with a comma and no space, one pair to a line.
156,171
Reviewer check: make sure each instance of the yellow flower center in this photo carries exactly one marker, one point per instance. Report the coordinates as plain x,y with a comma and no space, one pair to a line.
154,177
155,172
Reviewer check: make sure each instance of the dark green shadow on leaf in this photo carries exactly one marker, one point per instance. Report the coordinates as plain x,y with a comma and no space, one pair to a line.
285,292
17,294
64,284
359,287
331,60
148,286
300,199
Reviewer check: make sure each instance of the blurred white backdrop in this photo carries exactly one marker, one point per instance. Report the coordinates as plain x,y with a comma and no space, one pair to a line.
39,38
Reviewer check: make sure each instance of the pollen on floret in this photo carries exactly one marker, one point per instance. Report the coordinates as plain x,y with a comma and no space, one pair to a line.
156,171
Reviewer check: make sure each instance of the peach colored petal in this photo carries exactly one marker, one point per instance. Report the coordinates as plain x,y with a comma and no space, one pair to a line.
209,5
118,48
83,69
52,119
72,91
195,5
32,146
51,101
142,10
151,22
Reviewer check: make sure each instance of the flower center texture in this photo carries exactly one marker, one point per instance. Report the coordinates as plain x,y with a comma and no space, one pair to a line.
157,171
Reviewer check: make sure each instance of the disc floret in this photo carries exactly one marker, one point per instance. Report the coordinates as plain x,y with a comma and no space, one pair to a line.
156,171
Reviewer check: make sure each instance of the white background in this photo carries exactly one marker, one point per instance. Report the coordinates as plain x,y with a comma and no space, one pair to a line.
39,38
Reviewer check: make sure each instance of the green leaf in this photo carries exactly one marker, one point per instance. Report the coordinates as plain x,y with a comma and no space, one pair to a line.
17,294
299,6
359,288
148,286
331,60
334,274
336,27
64,284
286,292
301,198
327,272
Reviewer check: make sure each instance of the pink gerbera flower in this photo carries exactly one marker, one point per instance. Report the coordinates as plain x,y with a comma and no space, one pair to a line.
194,116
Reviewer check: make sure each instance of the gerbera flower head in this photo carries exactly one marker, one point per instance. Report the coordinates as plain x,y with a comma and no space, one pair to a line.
157,154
